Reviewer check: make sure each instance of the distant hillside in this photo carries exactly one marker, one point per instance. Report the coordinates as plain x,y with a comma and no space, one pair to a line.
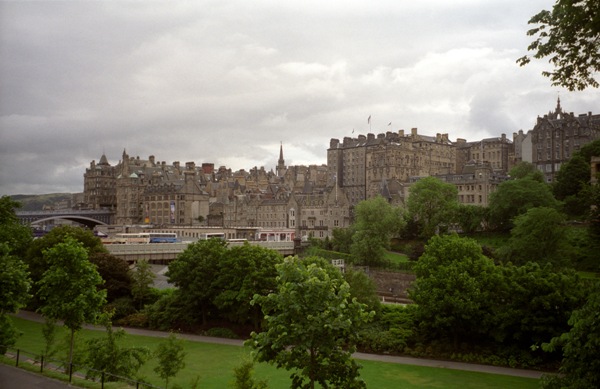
37,202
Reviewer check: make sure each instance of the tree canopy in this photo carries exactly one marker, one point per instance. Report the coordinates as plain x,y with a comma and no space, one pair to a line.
432,204
568,35
311,325
376,222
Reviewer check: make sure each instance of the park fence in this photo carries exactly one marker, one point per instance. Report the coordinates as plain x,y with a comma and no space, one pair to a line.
45,363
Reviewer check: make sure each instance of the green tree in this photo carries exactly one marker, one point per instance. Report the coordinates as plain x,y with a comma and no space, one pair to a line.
569,36
311,325
68,289
18,237
538,235
534,303
571,185
432,204
580,367
194,272
171,355
115,273
245,271
514,197
37,262
244,377
376,223
142,281
14,293
342,239
470,217
454,289
526,170
108,355
362,288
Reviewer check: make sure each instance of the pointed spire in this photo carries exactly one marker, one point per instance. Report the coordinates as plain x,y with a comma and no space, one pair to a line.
281,163
558,107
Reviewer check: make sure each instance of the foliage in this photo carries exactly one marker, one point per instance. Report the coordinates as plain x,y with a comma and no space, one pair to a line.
539,235
376,222
244,377
68,288
470,217
168,311
142,281
534,303
391,330
49,334
244,272
193,273
580,367
454,289
514,197
35,254
342,239
362,288
311,325
569,36
17,237
526,169
14,282
115,273
170,355
107,355
432,203
14,293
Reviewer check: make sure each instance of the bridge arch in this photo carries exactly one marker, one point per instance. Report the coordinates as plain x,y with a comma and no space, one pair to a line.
87,221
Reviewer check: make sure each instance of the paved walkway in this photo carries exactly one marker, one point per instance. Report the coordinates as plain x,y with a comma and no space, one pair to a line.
363,356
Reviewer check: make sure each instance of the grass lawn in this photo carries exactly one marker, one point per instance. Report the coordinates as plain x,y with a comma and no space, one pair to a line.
214,364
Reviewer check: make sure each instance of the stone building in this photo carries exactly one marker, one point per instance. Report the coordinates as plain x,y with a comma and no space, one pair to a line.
557,135
99,185
498,153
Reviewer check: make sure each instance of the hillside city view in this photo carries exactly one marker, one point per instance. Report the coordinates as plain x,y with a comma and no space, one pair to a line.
405,257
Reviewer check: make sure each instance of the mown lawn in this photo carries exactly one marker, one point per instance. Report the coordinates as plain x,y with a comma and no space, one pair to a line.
214,364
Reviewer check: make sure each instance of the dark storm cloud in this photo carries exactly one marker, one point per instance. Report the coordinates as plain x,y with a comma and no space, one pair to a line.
226,82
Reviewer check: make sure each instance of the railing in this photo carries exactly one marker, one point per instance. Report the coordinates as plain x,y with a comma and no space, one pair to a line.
71,370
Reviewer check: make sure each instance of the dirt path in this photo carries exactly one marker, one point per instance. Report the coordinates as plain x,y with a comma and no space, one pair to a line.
27,315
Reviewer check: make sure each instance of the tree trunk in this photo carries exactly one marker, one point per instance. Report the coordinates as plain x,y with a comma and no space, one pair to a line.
71,351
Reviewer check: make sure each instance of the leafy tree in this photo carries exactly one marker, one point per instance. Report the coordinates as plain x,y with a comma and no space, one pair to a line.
571,185
245,272
580,367
171,355
311,325
362,288
68,289
534,303
470,217
109,356
539,236
569,36
37,262
115,273
18,237
342,239
454,290
514,197
244,377
376,223
526,170
142,281
432,203
193,273
14,293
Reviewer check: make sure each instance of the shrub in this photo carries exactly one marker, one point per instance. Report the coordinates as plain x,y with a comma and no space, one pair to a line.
220,332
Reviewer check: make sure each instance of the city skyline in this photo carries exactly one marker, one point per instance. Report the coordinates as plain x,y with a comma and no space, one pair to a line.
226,83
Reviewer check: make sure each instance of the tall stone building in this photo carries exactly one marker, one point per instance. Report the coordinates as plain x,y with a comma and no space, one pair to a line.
362,165
99,185
557,135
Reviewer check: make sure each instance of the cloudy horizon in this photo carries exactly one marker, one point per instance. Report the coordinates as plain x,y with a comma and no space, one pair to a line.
227,82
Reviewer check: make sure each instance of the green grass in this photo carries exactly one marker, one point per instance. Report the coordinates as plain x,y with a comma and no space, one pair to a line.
396,258
214,365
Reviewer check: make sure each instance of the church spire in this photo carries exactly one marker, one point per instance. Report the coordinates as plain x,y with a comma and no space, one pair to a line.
281,162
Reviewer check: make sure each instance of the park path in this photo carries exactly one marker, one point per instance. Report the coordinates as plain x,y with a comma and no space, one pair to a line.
28,315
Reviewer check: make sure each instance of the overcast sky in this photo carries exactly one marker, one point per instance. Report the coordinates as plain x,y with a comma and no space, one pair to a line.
226,81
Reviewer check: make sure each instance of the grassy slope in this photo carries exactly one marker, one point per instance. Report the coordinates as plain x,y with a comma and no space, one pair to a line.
214,365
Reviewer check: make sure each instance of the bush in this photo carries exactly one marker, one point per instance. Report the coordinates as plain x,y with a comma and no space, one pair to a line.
121,307
138,320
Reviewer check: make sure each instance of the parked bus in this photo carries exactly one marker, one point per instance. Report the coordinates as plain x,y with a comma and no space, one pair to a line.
212,235
145,237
